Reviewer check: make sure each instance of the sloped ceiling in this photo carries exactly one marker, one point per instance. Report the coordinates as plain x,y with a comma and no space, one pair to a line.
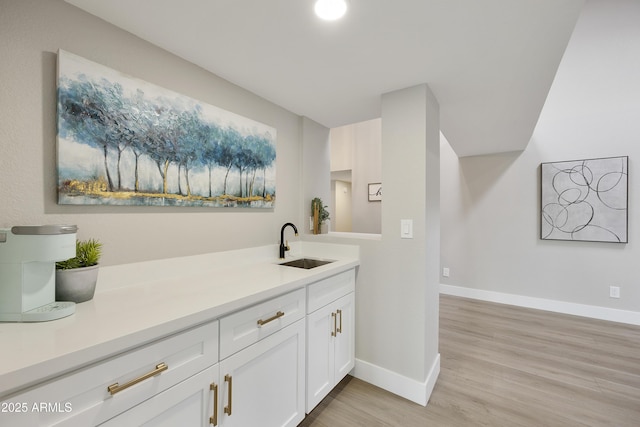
490,63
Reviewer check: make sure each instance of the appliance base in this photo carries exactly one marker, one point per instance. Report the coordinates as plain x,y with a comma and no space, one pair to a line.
51,311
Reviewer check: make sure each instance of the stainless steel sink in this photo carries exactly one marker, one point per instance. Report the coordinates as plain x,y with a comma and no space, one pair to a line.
306,263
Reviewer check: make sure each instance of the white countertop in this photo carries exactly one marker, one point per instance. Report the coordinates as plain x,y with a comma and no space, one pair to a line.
138,303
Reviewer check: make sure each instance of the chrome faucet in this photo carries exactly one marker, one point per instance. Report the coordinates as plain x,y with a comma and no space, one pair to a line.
283,247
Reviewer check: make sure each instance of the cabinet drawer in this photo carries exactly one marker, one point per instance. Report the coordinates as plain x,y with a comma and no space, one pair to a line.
330,289
83,397
250,325
190,403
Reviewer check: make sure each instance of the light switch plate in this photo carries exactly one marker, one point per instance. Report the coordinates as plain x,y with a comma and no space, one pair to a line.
406,228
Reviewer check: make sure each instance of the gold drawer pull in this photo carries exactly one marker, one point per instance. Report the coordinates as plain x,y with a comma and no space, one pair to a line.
278,315
214,418
340,327
227,378
116,388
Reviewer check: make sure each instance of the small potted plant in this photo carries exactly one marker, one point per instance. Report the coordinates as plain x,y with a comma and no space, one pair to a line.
319,214
76,277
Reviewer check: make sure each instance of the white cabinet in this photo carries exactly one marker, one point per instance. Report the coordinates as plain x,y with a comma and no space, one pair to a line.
248,326
193,402
263,382
344,341
93,395
259,382
263,365
330,336
263,385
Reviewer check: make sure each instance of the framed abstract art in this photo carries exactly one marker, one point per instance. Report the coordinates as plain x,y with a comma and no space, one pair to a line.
585,200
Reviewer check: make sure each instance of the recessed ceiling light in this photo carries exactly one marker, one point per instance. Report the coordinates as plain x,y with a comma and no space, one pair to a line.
330,10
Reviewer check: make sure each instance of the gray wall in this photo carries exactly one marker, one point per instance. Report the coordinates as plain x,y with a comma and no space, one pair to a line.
316,174
397,289
357,147
367,168
490,204
31,32
397,315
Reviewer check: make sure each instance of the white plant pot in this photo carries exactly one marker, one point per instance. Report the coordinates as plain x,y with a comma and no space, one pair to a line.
76,284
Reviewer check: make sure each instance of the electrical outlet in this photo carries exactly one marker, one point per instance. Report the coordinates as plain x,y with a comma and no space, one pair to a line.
614,291
445,271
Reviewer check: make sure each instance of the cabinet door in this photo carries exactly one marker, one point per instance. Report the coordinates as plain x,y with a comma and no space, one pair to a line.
189,403
320,354
345,339
263,385
330,347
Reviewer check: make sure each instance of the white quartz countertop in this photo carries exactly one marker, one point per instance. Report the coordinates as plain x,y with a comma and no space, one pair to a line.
139,303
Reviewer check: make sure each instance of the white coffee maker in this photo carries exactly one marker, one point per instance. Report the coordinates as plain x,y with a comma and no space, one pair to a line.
28,256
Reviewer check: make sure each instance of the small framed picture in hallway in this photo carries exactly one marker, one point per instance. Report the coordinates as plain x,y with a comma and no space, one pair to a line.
375,192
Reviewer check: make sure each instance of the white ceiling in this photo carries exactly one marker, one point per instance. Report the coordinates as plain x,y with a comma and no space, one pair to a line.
490,63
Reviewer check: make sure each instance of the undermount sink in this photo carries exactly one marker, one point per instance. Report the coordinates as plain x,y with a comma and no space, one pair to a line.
306,263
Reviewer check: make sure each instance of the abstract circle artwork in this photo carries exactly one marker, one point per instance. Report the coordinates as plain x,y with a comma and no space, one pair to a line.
585,200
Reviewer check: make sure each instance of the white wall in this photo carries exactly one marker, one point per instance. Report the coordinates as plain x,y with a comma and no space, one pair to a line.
357,147
367,168
490,204
316,176
31,32
341,146
342,195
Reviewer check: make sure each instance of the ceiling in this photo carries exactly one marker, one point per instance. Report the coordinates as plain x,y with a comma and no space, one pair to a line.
490,63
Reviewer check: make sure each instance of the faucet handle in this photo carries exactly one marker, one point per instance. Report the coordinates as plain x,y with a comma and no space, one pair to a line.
286,246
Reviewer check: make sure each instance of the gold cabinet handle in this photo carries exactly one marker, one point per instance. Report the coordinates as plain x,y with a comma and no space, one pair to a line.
228,379
335,329
214,418
278,315
117,388
340,327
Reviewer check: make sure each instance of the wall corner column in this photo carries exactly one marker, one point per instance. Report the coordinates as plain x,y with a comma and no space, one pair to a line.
402,356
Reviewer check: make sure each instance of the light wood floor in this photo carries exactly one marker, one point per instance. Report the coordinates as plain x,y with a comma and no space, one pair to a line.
509,366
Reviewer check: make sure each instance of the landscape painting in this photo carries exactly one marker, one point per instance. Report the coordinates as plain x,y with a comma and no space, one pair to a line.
585,200
123,141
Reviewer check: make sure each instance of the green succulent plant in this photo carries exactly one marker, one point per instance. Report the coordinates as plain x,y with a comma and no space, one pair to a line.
88,253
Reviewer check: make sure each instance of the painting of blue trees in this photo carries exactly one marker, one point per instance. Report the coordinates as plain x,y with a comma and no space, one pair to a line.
123,141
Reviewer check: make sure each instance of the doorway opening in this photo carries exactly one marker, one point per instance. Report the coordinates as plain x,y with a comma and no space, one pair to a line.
355,163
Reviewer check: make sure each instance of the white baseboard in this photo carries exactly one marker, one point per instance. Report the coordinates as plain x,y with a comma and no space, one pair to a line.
592,311
416,391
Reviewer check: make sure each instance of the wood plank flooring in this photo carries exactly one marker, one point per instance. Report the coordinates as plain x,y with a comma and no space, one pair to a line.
509,366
